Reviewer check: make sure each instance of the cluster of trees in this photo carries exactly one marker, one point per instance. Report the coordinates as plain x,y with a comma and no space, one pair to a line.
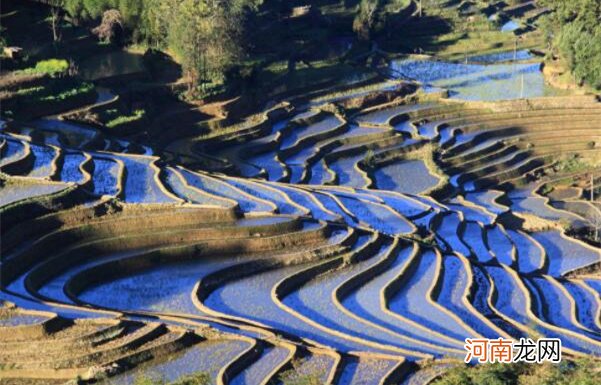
205,35
574,30
367,19
373,16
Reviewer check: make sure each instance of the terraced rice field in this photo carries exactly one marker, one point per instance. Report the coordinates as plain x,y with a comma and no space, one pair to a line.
358,249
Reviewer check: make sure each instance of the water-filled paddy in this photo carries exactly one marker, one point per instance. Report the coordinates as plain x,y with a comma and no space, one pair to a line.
510,26
365,371
309,301
500,57
453,294
166,288
320,173
178,185
43,165
410,300
487,199
297,173
283,203
71,171
268,161
476,81
14,192
381,117
472,213
270,359
410,176
302,133
140,185
207,356
448,234
106,176
500,245
473,237
77,135
348,171
12,151
221,189
557,306
530,255
403,204
588,309
233,299
308,201
17,319
565,254
364,302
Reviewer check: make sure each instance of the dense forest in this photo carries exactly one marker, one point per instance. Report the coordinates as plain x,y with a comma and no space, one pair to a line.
574,31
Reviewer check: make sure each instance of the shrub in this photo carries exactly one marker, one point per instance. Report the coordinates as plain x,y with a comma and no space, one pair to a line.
370,159
147,380
124,119
293,377
194,379
68,93
299,379
200,378
50,67
365,21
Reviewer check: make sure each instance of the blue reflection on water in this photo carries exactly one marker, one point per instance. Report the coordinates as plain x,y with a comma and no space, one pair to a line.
476,81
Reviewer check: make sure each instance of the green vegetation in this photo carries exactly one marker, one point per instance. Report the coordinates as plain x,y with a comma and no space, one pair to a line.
125,119
366,20
373,16
203,35
306,379
49,67
53,94
571,165
574,32
241,44
201,378
66,93
54,91
292,377
583,372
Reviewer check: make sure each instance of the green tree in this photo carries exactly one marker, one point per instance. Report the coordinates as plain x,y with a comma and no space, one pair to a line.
154,23
56,18
573,29
204,34
94,8
365,21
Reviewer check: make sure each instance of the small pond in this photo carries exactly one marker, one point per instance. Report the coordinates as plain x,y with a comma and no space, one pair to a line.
112,64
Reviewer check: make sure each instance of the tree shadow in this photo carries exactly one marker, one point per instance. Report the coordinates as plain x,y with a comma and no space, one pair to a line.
416,33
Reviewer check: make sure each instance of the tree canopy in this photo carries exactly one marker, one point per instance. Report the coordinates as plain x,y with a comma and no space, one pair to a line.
203,34
574,30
